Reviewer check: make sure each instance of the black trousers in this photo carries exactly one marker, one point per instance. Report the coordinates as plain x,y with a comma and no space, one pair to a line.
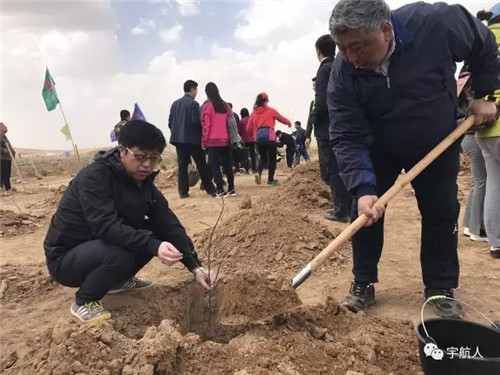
217,157
253,157
185,152
267,155
290,155
95,267
330,175
5,171
436,193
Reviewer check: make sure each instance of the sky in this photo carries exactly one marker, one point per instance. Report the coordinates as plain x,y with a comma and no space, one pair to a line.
107,55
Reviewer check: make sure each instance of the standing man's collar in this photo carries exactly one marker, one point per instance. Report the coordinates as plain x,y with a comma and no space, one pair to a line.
383,68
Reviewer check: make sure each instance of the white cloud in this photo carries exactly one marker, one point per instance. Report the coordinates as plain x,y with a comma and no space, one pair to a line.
172,34
188,7
262,26
143,27
85,61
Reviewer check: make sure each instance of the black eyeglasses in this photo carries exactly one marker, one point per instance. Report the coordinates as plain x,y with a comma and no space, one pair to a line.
141,158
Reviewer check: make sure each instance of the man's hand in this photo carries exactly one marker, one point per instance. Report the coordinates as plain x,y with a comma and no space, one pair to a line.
308,142
485,111
205,279
168,254
366,205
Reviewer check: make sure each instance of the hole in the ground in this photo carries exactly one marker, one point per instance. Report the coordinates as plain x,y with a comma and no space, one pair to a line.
219,316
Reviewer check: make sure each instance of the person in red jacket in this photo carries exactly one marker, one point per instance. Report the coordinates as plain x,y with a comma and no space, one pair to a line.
261,125
248,138
215,138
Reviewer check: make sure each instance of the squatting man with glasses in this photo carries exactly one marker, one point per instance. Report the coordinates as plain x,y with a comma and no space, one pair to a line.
112,220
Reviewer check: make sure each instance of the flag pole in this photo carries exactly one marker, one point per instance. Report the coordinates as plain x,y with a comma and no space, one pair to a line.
75,150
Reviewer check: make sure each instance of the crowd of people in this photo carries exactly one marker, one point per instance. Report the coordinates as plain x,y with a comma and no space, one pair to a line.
380,105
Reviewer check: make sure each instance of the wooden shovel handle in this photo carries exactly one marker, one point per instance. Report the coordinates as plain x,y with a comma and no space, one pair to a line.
399,185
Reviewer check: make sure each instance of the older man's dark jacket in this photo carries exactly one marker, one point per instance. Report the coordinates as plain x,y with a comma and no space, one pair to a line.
413,108
184,121
103,202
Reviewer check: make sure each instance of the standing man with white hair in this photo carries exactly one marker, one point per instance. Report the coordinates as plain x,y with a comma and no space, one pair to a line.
392,98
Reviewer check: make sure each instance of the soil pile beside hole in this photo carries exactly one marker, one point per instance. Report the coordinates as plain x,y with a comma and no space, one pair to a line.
270,240
323,339
247,298
303,190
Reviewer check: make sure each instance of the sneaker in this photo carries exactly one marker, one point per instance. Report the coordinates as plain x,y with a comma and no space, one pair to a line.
91,312
444,308
258,179
272,183
184,196
495,252
477,238
333,216
131,284
361,296
466,232
231,193
220,194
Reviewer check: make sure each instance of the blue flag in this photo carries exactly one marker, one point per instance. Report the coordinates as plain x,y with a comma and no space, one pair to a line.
138,115
112,136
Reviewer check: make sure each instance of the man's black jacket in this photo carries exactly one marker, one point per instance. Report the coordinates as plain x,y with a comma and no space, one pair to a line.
103,202
320,115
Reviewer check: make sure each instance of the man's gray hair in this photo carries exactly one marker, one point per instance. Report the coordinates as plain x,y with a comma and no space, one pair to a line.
364,15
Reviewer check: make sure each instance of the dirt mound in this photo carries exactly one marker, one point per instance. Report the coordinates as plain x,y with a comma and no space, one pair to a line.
268,239
166,179
324,339
18,283
304,189
15,223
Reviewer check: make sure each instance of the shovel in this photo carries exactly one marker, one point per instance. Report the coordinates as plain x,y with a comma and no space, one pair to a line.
399,185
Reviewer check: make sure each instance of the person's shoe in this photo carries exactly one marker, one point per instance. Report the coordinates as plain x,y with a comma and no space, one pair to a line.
258,179
334,216
361,296
184,196
495,252
220,194
212,195
444,308
91,312
466,232
272,183
131,284
474,237
231,193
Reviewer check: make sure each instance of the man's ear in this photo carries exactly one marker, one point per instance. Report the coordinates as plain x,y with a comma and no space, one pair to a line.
123,150
387,31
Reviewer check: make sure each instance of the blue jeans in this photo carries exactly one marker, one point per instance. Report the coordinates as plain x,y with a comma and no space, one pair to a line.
474,211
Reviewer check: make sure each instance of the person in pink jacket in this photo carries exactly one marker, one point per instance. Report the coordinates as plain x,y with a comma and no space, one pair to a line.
261,125
215,138
248,138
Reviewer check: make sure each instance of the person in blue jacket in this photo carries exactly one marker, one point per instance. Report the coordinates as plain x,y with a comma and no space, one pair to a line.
184,122
392,98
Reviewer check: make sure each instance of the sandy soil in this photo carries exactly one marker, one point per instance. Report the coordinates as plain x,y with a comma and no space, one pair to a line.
253,323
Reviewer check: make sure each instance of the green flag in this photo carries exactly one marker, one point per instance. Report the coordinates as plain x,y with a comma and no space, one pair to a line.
66,132
49,92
